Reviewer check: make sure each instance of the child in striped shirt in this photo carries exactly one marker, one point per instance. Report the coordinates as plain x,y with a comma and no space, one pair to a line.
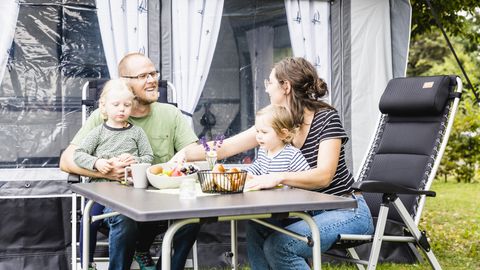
275,131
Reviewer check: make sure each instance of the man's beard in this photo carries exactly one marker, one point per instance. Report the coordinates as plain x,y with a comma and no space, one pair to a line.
145,101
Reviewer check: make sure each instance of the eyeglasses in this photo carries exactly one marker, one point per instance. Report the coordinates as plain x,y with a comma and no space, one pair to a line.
144,76
267,82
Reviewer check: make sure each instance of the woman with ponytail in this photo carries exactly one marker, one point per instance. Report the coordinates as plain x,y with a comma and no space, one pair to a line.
294,84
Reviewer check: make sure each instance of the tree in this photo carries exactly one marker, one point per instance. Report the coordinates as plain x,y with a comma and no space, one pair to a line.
459,18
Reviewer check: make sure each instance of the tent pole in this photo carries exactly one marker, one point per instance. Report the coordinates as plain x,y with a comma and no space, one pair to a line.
439,24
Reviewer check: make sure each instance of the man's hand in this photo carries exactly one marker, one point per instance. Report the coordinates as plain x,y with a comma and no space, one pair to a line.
102,165
117,172
127,158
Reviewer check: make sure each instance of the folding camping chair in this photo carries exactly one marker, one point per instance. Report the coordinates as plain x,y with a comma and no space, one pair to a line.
417,117
90,101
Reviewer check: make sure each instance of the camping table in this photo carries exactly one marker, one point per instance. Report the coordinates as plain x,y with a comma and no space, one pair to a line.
144,205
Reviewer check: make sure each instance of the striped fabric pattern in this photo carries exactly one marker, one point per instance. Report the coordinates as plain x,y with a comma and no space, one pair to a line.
326,125
290,159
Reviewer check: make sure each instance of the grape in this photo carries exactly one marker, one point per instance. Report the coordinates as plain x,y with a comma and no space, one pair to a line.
190,169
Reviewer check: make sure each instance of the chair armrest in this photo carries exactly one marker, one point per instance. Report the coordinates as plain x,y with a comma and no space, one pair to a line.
73,178
374,186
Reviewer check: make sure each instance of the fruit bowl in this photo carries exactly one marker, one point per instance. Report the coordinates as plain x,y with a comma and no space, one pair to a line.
167,176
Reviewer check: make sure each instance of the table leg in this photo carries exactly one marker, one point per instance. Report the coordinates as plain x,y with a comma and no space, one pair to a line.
233,240
317,257
168,237
86,220
74,231
86,234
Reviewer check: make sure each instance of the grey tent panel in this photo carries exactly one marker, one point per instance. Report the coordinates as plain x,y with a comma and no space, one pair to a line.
400,16
341,87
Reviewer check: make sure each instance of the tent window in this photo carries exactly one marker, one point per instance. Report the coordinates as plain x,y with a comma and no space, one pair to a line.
253,35
56,48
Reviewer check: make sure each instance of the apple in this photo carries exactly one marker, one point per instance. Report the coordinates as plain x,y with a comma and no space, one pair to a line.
176,172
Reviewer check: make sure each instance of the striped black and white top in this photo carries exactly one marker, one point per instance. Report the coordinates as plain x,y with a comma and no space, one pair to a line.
326,125
290,159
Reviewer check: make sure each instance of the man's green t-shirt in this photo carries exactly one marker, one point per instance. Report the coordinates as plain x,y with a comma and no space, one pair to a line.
167,130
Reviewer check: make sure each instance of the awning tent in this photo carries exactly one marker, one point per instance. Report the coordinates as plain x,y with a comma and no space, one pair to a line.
216,53
357,47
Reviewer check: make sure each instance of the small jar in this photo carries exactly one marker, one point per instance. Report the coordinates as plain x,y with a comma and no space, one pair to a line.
211,157
187,189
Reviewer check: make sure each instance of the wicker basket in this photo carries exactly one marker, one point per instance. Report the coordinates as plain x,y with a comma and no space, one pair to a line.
225,183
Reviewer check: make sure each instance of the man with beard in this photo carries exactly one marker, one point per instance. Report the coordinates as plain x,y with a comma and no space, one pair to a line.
168,133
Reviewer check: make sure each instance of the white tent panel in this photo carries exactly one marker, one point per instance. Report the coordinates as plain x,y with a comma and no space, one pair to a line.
123,25
371,69
195,28
8,21
309,27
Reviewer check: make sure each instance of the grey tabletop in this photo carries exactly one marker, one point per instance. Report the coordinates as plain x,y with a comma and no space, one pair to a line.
142,205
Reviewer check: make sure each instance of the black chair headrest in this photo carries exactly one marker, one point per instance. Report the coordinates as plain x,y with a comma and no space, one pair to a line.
96,87
416,96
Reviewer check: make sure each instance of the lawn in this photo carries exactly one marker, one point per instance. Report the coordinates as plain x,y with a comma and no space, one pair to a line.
452,221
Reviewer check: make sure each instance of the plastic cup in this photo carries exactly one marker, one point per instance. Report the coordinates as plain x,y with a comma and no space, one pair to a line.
187,189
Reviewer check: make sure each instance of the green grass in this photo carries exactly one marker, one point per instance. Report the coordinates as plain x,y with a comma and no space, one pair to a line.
452,222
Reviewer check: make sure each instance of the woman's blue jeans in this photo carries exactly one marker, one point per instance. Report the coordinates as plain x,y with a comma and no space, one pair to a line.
269,249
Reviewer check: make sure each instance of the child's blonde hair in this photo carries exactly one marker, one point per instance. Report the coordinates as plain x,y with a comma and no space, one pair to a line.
117,85
281,120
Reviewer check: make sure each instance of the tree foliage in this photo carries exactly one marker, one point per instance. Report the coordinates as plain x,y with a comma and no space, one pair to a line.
430,55
458,17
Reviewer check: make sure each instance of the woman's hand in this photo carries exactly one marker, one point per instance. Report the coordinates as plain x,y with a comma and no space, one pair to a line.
179,157
266,181
183,155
